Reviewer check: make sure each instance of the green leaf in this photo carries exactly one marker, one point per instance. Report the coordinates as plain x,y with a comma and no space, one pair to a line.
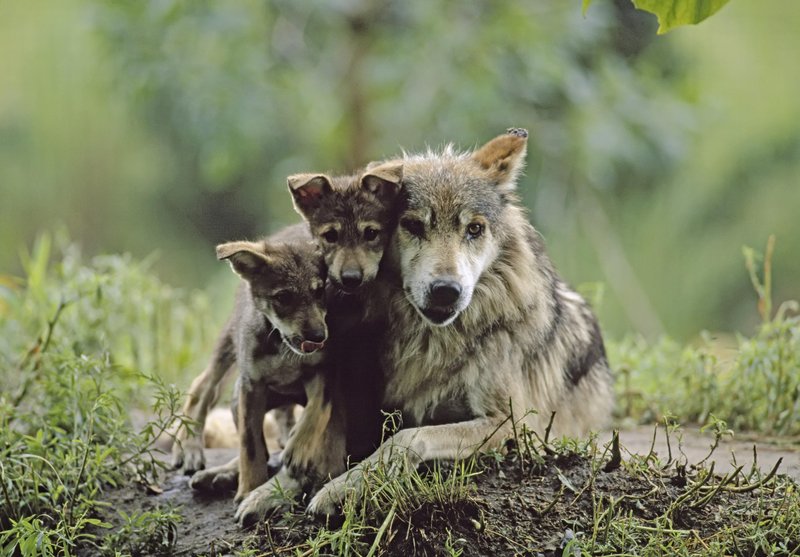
673,13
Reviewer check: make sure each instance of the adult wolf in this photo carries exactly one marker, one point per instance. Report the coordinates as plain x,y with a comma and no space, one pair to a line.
479,320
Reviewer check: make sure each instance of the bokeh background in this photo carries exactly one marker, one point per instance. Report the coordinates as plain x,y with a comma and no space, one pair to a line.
166,126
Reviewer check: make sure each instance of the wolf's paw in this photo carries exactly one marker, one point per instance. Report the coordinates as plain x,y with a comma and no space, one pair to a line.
277,492
215,480
188,456
519,132
329,500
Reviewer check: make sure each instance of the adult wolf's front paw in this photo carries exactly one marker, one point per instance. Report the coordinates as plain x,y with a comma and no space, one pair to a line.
329,500
280,490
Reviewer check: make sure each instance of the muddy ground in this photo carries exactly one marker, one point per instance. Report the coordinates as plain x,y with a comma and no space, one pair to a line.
515,509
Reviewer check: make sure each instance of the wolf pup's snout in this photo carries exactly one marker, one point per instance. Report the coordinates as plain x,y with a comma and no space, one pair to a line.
352,278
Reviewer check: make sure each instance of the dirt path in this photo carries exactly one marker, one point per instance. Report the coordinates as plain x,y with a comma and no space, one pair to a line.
208,528
696,445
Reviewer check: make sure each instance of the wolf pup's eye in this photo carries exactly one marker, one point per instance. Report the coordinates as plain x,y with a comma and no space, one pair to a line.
319,293
474,230
283,297
331,236
371,233
414,227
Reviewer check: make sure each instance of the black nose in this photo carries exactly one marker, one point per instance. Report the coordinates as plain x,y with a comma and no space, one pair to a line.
315,335
444,292
351,278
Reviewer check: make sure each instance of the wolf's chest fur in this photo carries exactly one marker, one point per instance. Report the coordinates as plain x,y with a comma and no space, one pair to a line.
426,371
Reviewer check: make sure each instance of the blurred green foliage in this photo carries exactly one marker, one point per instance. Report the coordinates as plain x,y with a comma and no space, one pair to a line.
749,382
170,125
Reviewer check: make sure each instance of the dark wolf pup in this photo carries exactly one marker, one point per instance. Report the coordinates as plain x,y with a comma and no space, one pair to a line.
479,318
275,336
352,218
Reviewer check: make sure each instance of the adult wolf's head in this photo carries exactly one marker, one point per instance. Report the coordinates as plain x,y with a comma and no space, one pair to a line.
352,216
451,226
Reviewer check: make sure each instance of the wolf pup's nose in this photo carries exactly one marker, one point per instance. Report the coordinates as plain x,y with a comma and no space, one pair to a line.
316,335
444,292
351,278
313,340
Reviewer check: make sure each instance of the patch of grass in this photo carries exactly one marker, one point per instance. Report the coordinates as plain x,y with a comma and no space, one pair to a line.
560,497
143,533
80,344
755,387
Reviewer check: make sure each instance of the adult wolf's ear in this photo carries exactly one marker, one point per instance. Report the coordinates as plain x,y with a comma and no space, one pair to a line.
248,259
308,190
383,179
504,157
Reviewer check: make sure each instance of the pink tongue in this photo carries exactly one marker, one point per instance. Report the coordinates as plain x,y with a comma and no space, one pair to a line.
307,346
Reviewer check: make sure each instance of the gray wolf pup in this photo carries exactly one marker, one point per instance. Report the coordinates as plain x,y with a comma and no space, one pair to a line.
352,218
275,336
479,322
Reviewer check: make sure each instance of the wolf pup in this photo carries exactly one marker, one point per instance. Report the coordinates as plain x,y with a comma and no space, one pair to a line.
275,336
352,218
480,323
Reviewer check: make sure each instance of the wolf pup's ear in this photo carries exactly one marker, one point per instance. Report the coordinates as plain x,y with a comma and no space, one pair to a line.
504,157
308,191
247,259
384,180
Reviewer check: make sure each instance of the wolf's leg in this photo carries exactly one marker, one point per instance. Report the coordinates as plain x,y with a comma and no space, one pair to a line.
187,450
253,402
284,417
219,478
317,447
408,448
316,450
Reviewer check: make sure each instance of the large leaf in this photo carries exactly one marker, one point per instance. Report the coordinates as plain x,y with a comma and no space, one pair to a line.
673,13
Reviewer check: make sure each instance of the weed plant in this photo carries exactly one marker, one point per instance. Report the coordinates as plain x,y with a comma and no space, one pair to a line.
82,346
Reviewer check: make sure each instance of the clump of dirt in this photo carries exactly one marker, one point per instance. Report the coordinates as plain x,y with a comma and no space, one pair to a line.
538,510
205,526
523,502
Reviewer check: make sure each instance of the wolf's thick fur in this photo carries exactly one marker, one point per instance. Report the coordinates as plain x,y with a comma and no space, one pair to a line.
479,321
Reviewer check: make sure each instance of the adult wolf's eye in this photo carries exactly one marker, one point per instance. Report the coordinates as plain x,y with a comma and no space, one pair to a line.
474,230
414,227
331,236
371,233
283,297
